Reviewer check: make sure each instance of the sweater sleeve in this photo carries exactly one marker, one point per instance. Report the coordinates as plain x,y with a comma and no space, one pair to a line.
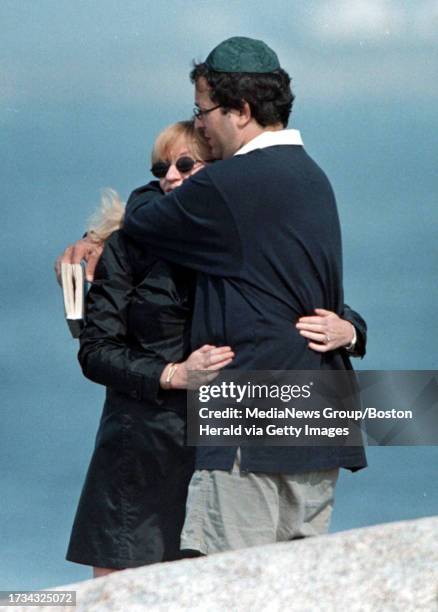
192,225
105,354
361,330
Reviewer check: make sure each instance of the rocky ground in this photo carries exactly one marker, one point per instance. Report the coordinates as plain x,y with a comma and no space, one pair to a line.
391,567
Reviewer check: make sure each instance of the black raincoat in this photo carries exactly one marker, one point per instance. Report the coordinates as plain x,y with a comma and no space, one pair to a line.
132,505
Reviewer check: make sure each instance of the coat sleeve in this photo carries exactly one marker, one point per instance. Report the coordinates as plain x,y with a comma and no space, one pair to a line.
361,330
191,226
105,354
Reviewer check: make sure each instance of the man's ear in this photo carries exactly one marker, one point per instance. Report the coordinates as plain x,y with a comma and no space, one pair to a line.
245,115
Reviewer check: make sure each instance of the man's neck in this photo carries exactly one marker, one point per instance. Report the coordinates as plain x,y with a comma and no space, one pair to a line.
254,130
270,137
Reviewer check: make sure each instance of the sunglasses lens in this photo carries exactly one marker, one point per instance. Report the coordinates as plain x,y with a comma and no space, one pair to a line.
185,164
160,169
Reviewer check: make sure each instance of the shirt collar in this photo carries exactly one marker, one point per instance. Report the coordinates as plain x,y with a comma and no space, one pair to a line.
271,139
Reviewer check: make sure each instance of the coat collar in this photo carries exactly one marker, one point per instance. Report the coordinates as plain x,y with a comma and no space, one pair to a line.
271,139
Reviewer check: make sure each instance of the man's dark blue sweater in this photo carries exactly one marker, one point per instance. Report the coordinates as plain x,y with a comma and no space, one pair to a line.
262,231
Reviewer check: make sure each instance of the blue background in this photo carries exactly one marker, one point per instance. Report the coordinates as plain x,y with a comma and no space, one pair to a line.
85,87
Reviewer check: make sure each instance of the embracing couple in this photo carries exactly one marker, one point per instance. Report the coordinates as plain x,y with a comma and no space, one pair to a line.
231,259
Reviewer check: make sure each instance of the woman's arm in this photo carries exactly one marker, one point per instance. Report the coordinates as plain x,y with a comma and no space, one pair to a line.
105,355
327,331
200,368
360,326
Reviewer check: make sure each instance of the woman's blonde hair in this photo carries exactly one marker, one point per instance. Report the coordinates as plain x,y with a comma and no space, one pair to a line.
196,143
109,216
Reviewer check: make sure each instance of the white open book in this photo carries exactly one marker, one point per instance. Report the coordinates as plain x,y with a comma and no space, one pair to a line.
73,288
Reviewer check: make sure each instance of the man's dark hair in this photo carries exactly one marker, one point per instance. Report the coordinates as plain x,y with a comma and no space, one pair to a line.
268,94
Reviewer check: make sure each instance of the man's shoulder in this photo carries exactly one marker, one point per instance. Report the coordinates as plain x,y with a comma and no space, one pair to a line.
258,157
232,169
222,167
274,163
151,189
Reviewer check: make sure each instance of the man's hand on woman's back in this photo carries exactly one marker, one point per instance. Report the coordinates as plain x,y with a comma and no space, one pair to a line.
84,249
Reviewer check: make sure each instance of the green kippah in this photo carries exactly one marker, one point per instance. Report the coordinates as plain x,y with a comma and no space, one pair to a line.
241,54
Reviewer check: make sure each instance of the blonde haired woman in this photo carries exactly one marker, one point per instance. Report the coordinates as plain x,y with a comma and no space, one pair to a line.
136,343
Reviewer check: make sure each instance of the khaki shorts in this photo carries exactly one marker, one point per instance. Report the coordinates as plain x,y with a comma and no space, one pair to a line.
232,510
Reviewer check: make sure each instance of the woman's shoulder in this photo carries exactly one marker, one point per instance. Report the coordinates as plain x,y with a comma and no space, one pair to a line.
117,242
115,254
120,250
124,253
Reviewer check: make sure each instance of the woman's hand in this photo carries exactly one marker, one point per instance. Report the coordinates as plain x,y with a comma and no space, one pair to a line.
201,367
326,330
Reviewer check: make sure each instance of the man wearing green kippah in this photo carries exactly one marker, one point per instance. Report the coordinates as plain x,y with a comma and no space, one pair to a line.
262,231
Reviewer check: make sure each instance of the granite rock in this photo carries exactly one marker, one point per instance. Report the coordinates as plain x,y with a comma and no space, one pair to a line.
390,567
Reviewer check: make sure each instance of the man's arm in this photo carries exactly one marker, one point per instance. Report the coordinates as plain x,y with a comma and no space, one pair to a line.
85,249
191,226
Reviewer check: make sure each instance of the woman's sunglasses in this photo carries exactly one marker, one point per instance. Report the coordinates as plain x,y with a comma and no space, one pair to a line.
183,164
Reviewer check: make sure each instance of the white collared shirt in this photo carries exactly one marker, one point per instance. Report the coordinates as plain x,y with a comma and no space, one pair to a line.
271,139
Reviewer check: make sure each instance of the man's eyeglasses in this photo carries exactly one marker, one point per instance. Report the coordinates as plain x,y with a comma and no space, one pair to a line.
198,113
183,165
